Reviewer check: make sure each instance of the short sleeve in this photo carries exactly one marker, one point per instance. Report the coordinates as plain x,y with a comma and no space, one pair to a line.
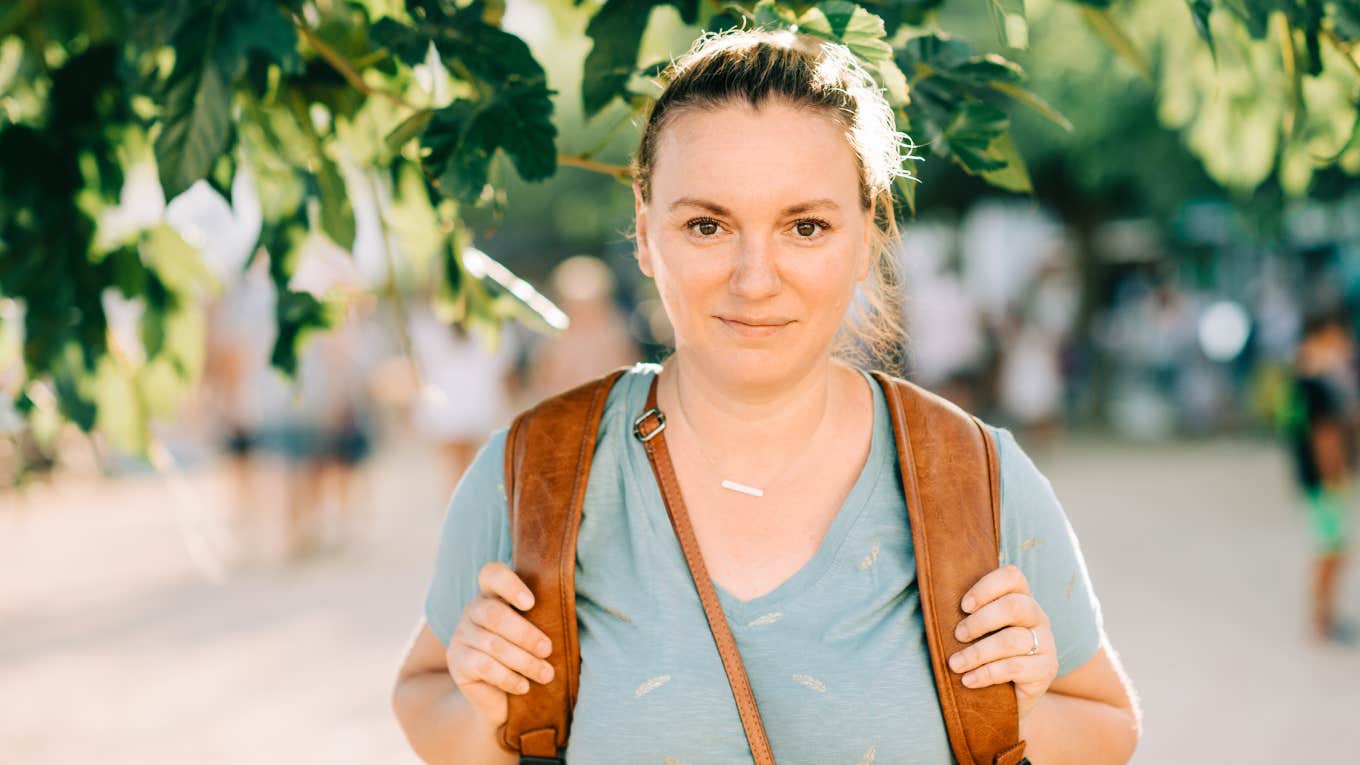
476,532
1037,537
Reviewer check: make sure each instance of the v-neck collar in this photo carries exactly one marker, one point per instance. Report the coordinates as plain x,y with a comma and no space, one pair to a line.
740,612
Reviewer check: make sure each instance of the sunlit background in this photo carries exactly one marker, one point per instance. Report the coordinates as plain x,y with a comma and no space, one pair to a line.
228,570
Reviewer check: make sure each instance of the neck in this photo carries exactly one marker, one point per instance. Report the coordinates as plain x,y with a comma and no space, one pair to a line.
739,424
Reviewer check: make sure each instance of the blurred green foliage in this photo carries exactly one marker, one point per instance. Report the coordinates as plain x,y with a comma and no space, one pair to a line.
414,102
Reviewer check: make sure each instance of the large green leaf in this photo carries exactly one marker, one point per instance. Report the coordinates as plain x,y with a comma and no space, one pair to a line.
463,137
844,22
971,136
211,50
195,122
616,30
491,54
895,13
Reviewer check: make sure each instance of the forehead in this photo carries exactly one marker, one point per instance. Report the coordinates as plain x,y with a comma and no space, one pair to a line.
773,155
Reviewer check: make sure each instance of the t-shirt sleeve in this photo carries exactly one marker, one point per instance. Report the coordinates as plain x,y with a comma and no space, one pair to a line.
476,532
1037,537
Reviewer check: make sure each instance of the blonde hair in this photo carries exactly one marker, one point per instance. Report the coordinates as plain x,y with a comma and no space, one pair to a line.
759,65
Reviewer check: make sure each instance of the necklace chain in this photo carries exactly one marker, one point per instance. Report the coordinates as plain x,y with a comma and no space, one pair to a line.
745,488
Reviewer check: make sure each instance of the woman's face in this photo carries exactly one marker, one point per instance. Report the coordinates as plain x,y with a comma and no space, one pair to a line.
755,238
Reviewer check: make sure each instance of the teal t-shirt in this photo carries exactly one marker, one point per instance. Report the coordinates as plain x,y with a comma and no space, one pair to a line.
836,655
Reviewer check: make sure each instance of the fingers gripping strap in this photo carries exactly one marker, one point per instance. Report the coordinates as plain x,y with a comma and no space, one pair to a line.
654,441
950,483
547,464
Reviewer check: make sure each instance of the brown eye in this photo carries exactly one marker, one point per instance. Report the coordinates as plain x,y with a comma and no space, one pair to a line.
810,227
704,224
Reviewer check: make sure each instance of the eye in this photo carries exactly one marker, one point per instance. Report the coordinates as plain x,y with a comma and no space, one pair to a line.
704,223
805,228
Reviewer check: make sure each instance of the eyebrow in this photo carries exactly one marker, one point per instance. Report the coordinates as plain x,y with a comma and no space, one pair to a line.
718,209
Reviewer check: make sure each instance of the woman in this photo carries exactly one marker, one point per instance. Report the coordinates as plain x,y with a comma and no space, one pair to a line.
763,207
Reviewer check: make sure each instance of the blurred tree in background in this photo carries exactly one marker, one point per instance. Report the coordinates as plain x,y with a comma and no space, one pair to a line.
314,104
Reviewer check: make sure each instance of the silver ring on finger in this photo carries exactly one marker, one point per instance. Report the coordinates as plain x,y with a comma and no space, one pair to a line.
1035,648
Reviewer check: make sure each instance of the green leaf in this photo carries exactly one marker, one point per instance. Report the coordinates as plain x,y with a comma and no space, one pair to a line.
196,117
337,212
841,21
73,403
1012,26
1345,18
1254,14
211,50
259,27
895,13
159,303
838,14
1015,175
970,137
456,157
463,137
1199,12
296,314
616,30
935,52
490,54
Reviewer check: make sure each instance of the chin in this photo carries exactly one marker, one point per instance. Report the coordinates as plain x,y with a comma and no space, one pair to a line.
756,365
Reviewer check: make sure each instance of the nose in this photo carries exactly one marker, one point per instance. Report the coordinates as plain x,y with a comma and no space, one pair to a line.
756,274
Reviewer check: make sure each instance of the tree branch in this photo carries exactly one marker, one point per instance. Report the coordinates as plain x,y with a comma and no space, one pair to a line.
343,67
618,171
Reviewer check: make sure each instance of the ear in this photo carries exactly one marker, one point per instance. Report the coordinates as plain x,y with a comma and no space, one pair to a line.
643,252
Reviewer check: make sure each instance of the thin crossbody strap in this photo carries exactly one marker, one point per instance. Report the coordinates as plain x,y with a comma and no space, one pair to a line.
648,429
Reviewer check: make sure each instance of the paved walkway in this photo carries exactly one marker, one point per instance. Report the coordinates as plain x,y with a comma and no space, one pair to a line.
117,645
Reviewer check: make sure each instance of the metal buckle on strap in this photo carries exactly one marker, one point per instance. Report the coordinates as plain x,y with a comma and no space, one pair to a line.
528,759
642,418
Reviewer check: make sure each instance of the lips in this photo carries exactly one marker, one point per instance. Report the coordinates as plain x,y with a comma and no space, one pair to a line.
748,326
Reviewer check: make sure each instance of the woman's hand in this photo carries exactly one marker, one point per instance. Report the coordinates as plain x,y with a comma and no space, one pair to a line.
1001,608
494,650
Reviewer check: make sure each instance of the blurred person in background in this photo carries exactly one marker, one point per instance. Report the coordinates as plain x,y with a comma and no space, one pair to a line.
464,386
596,341
237,380
1323,444
326,434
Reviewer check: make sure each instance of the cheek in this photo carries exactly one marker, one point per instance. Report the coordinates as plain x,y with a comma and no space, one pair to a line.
687,279
829,281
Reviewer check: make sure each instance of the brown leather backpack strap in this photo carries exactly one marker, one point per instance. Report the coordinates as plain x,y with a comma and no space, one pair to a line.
648,429
950,477
547,465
